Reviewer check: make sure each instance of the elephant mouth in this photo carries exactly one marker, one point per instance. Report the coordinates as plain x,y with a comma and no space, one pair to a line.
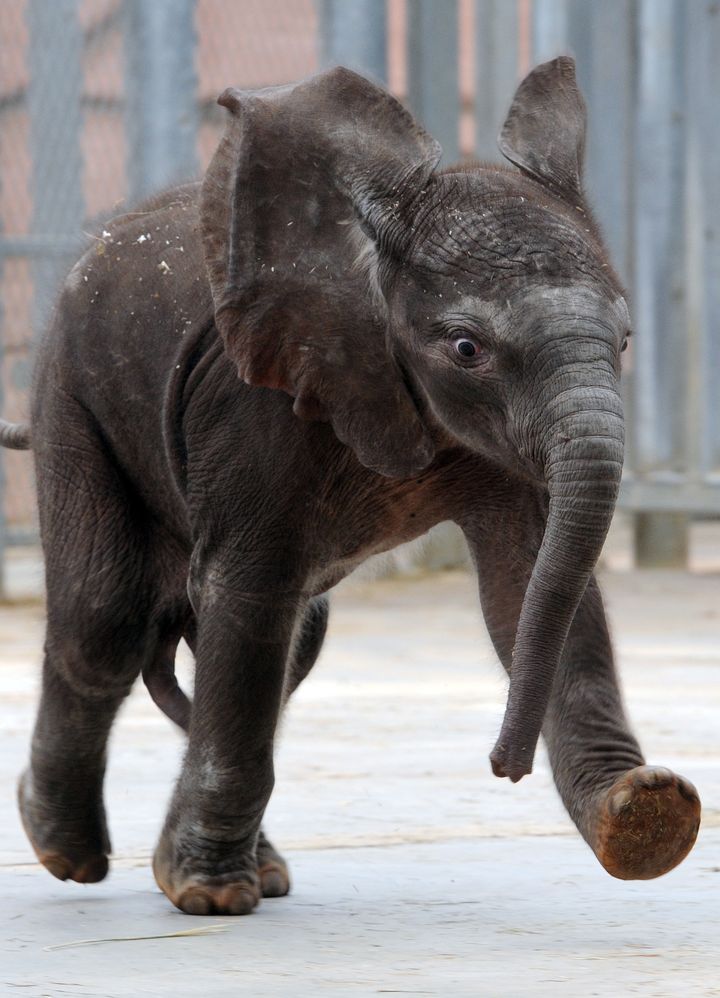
416,397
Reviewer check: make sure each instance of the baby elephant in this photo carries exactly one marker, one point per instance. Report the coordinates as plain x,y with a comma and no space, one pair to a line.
254,383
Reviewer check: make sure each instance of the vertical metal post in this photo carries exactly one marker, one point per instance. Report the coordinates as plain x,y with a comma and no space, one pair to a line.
3,478
161,88
433,84
661,540
496,60
549,29
603,40
54,93
703,148
353,33
601,37
55,122
659,267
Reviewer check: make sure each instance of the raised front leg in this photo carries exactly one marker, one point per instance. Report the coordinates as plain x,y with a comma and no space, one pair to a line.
206,860
641,821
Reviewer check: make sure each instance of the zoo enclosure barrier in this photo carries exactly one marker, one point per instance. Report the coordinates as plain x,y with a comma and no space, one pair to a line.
104,101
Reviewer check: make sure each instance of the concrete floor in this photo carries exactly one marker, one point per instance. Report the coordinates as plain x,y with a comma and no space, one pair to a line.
415,871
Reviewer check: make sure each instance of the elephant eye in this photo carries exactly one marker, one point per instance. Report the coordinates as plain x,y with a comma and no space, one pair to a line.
465,348
470,353
624,346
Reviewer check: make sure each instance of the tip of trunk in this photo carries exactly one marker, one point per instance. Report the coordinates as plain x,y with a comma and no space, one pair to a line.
510,764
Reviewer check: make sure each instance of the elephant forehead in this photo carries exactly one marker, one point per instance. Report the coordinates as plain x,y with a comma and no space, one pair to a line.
496,228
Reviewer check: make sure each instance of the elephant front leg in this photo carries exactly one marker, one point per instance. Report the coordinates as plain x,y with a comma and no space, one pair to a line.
641,821
207,858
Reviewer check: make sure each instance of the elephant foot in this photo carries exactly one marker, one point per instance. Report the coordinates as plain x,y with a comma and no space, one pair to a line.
648,823
68,848
272,870
189,880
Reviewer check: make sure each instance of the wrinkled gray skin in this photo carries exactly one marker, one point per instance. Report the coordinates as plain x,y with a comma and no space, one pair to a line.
250,388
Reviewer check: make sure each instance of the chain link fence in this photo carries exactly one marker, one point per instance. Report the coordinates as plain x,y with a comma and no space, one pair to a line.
89,95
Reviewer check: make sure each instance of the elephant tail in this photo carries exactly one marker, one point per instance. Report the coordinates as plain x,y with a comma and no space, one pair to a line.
15,436
162,685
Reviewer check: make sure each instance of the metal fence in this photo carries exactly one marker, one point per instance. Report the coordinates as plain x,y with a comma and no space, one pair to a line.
102,101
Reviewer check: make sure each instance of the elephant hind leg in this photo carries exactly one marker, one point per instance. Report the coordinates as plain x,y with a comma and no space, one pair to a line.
103,622
272,869
61,794
309,642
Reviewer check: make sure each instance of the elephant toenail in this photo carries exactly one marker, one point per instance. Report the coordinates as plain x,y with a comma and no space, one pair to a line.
688,791
93,871
274,883
196,903
58,866
654,777
239,901
619,800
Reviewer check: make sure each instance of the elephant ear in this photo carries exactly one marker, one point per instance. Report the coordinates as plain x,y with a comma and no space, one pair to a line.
544,132
310,184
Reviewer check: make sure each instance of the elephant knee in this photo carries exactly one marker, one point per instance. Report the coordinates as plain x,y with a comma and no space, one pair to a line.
96,662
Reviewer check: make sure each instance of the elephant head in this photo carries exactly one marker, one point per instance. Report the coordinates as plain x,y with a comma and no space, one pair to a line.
413,308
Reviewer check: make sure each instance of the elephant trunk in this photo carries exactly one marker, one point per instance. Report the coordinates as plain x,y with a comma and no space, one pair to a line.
583,456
